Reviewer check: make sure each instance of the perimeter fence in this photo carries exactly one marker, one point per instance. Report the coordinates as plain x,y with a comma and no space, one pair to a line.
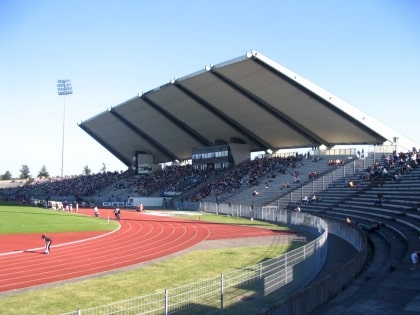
246,291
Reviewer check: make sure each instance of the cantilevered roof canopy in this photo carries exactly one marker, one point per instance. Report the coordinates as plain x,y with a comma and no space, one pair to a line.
250,100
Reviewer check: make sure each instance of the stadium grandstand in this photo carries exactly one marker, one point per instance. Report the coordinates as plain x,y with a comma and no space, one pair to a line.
250,132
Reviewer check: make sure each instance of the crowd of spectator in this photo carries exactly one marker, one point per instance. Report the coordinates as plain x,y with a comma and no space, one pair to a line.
247,174
76,187
313,174
336,162
169,180
176,180
394,165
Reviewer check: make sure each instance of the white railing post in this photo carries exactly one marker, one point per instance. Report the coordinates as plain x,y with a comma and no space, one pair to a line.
261,284
166,302
222,291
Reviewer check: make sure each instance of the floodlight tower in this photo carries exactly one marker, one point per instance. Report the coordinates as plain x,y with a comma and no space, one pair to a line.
63,88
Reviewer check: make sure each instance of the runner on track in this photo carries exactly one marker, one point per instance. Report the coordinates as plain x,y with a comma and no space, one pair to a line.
117,213
48,242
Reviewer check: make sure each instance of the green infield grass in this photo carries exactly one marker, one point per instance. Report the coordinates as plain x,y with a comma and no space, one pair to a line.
20,219
211,217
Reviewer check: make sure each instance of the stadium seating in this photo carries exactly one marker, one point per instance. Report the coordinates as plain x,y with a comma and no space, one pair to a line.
391,245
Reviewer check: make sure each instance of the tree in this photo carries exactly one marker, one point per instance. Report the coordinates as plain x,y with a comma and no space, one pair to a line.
43,172
6,176
103,169
86,170
24,172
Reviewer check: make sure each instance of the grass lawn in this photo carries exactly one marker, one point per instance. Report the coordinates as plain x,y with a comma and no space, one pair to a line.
155,277
211,217
20,219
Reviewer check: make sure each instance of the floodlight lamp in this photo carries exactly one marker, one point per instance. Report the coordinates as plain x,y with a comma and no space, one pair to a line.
64,87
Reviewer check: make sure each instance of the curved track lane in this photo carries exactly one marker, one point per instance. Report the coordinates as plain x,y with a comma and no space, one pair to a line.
141,237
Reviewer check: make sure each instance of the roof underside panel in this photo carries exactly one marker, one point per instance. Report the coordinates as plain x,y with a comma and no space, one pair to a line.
190,112
159,128
245,112
303,107
252,100
121,137
114,132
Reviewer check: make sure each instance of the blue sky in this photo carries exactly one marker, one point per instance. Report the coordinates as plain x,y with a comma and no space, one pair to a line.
366,52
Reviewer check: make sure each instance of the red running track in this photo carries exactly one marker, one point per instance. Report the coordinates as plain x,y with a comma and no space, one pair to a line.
141,237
